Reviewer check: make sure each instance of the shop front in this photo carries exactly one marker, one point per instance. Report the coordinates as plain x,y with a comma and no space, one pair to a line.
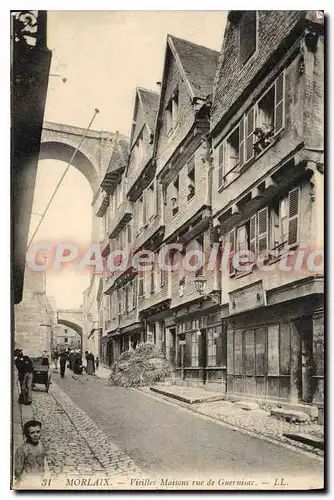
200,350
276,352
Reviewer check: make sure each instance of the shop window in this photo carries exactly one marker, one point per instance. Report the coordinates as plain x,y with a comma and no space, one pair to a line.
175,196
212,347
248,35
191,178
194,349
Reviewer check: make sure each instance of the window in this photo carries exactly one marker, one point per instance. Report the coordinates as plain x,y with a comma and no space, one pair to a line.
285,222
66,340
119,301
151,201
140,285
212,347
172,111
191,178
119,194
138,149
113,306
194,349
151,275
175,196
65,330
140,213
252,236
255,132
248,29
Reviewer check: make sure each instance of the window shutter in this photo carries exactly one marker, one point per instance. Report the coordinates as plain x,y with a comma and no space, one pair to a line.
250,134
221,160
241,239
242,141
156,201
232,242
252,234
262,230
293,223
279,103
144,207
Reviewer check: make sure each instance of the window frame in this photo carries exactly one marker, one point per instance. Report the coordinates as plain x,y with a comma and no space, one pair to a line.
222,174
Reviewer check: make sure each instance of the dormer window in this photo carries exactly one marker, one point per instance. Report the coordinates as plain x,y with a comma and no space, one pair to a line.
172,111
248,35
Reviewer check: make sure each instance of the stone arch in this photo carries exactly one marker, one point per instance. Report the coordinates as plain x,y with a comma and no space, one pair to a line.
58,142
52,150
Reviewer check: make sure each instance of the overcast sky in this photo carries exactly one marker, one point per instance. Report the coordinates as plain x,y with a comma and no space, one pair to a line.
104,55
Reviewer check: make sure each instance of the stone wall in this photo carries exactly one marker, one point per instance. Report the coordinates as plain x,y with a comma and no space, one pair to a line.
32,315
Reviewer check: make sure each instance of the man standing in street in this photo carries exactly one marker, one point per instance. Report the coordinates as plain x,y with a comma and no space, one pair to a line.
25,371
62,361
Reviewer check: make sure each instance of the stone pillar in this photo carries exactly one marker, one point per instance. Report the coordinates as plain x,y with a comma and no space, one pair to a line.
318,356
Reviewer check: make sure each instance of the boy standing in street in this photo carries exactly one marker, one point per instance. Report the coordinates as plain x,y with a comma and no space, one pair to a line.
30,456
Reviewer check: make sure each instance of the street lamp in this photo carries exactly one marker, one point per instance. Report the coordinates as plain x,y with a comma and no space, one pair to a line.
200,285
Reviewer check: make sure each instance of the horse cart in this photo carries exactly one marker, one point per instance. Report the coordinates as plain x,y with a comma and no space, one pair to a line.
41,373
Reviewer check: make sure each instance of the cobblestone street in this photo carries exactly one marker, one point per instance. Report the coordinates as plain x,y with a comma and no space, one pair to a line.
166,439
74,443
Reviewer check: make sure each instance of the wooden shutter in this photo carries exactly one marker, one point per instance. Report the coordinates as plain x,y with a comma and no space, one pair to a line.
221,162
242,142
262,224
250,124
279,103
232,242
252,234
293,222
155,194
144,207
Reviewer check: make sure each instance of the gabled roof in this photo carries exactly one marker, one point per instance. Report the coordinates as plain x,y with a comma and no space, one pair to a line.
150,103
197,63
117,164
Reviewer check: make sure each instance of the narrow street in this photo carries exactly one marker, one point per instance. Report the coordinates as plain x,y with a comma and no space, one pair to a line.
159,438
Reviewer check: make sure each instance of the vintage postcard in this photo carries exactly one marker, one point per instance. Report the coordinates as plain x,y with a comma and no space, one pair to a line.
167,261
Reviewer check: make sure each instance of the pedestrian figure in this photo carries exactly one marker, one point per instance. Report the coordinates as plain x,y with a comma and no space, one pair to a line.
90,364
62,362
55,356
97,362
25,370
45,359
30,456
78,368
71,359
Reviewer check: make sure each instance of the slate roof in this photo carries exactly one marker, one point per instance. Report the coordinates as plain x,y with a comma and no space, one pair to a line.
119,156
233,81
199,64
150,101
